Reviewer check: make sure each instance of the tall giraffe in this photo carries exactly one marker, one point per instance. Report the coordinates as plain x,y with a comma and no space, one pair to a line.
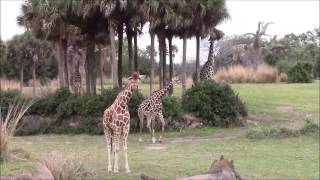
152,107
75,79
209,69
116,121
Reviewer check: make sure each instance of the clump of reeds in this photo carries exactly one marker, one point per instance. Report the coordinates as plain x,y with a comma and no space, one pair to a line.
8,125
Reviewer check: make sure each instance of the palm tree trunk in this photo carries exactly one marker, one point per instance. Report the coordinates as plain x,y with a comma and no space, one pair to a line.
34,79
129,38
184,73
120,41
171,64
113,56
21,78
198,60
152,63
160,62
135,49
101,67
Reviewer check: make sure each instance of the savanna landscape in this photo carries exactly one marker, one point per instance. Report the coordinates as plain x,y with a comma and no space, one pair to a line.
252,98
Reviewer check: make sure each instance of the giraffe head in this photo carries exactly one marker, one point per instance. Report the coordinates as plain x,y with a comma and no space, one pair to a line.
135,80
176,80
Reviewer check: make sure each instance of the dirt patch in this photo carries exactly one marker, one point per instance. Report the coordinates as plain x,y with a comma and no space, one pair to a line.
215,136
155,147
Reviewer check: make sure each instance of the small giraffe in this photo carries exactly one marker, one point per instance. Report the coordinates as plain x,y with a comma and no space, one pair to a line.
152,107
116,121
209,69
75,79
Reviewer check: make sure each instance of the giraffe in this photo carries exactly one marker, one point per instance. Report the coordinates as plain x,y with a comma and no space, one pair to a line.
75,79
209,68
152,107
116,121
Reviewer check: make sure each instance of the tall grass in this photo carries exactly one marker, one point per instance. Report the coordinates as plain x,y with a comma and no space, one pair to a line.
8,125
241,74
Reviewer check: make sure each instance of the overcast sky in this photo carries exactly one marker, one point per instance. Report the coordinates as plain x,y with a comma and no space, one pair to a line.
289,16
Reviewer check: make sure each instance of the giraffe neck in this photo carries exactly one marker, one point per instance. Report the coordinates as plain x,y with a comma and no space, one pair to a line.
210,56
127,93
164,90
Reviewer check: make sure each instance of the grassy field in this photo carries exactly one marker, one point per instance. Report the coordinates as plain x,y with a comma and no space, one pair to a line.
268,104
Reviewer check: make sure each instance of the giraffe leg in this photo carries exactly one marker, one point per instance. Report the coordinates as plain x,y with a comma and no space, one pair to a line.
107,135
116,145
141,117
150,127
162,125
125,147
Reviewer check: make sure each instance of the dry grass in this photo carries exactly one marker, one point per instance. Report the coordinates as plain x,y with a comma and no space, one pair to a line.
65,168
8,125
241,74
9,84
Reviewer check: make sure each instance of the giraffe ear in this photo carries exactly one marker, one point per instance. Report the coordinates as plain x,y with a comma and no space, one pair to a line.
129,78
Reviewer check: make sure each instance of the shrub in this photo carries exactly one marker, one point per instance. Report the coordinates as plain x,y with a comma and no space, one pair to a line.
65,168
8,125
267,132
301,73
215,102
48,105
310,128
171,106
8,97
283,77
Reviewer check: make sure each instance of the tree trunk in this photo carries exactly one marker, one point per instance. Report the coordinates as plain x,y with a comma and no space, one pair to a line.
113,56
101,67
160,63
135,49
120,41
90,66
198,60
130,63
34,79
21,78
171,64
184,73
152,63
164,61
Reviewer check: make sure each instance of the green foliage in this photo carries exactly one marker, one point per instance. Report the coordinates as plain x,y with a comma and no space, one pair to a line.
301,73
275,132
268,132
8,97
48,105
19,57
310,128
171,106
62,105
215,102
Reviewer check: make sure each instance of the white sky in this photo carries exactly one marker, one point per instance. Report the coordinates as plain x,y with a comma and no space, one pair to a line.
290,16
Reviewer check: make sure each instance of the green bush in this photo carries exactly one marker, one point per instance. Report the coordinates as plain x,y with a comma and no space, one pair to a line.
269,132
301,73
310,128
7,97
48,105
171,106
61,104
215,102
